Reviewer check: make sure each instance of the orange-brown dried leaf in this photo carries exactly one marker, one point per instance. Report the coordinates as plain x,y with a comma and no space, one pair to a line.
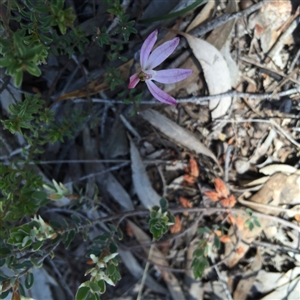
218,233
90,262
225,239
231,141
225,202
239,250
297,218
212,195
232,201
231,219
176,228
129,230
240,223
221,188
186,204
15,296
194,167
97,85
189,178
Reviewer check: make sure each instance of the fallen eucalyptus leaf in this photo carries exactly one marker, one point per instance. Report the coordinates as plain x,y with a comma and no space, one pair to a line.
216,73
147,195
177,133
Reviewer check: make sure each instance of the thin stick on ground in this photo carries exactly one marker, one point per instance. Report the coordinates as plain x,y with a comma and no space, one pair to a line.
139,297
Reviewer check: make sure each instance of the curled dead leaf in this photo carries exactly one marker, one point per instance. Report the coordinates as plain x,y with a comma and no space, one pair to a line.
214,196
189,178
194,167
186,204
225,239
221,188
240,223
218,233
129,230
225,202
231,219
216,73
239,250
232,201
176,228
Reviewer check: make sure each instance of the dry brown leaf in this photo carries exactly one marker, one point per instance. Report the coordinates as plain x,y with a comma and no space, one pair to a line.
221,188
240,223
216,73
189,178
146,193
239,250
246,238
186,204
129,230
232,201
194,167
231,219
98,85
297,218
218,233
176,228
203,15
225,239
177,133
214,196
225,202
221,34
245,284
270,19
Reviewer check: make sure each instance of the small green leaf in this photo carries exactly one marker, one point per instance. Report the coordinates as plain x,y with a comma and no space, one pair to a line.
111,269
163,203
18,78
29,280
249,211
203,230
76,219
82,293
4,294
39,195
198,253
69,238
217,242
112,227
37,245
94,287
256,222
120,234
35,262
33,69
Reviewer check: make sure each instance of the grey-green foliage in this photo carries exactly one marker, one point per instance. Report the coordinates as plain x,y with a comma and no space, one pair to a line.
19,183
24,48
160,219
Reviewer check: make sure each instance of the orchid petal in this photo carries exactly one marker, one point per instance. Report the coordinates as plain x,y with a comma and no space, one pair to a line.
161,53
133,81
147,47
171,75
159,94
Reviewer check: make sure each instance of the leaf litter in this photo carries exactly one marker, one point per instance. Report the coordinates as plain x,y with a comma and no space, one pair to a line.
264,133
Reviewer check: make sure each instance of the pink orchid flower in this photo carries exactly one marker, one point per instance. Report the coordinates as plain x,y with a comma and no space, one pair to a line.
150,61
